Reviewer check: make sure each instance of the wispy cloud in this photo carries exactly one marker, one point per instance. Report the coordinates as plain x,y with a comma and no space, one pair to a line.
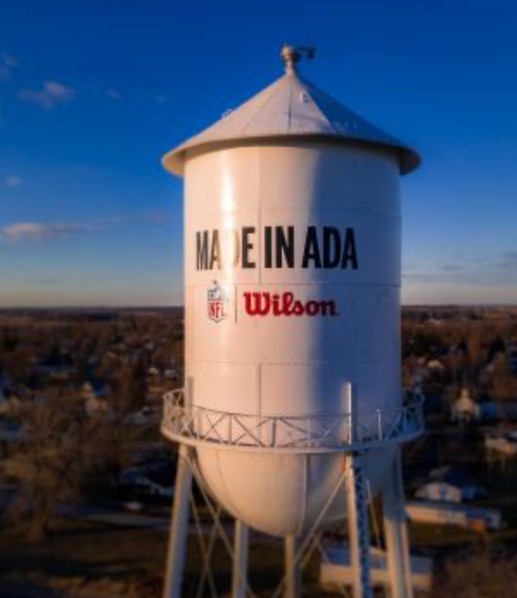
440,272
37,232
7,65
453,267
51,94
45,282
493,270
507,260
155,216
12,181
423,277
40,232
113,94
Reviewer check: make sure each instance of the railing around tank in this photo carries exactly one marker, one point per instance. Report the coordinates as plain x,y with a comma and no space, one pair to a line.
196,425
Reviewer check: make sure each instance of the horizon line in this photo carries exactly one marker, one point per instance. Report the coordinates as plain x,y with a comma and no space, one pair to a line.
182,306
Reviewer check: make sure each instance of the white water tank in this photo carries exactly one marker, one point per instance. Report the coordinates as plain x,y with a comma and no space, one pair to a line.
292,291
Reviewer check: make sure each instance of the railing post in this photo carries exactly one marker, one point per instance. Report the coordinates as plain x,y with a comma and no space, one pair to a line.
350,409
198,427
188,394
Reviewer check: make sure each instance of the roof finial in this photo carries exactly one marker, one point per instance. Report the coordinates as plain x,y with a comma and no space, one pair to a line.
291,55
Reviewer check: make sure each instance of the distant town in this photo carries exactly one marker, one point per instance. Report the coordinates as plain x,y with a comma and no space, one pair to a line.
86,479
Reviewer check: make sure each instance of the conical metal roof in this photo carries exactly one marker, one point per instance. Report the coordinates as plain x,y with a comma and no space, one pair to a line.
291,107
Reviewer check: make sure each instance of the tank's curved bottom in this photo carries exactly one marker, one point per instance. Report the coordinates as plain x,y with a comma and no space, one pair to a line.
283,494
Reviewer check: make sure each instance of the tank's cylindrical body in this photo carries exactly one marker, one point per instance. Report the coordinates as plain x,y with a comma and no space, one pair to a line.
292,280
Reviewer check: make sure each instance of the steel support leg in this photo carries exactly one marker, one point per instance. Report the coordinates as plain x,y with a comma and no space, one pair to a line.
240,559
179,526
358,530
395,529
292,569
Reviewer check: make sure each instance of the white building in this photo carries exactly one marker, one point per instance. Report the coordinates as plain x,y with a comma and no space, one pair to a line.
446,484
439,491
505,444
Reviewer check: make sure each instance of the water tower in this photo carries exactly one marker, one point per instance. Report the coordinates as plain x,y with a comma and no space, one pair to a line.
292,400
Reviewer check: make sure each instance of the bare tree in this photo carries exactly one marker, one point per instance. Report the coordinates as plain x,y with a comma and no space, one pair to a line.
478,576
60,454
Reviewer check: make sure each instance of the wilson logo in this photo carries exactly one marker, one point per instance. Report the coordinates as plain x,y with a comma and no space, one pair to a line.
286,304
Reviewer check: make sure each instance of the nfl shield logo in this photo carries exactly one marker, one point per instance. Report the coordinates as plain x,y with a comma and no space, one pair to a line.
217,301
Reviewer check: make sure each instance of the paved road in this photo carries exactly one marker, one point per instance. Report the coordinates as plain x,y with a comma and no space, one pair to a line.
118,517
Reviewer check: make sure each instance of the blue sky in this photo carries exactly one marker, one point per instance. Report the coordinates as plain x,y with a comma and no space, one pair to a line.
93,93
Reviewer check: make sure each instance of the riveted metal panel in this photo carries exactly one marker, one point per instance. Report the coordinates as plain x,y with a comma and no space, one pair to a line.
292,273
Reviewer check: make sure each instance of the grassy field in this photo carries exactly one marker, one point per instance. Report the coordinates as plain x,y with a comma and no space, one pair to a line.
100,561
86,559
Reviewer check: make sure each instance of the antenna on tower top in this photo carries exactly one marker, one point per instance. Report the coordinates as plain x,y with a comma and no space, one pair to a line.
291,55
